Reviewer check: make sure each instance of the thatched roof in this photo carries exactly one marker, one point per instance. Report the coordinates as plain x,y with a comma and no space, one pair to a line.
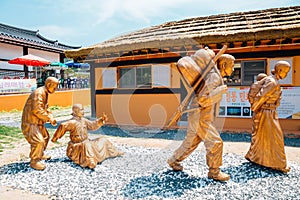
275,23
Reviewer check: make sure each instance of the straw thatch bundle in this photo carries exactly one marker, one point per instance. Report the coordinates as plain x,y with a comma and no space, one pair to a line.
275,23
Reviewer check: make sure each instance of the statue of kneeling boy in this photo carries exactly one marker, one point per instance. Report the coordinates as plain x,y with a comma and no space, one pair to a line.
82,150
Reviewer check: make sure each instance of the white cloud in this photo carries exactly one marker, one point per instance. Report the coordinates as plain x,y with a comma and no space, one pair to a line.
105,18
131,10
144,10
54,32
100,11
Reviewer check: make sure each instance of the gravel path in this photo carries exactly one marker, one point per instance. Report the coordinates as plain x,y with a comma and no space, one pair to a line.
142,173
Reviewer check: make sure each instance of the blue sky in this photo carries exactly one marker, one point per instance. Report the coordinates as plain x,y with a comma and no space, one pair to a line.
88,22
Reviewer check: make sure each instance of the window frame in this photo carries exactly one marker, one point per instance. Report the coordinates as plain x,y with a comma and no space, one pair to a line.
243,70
242,81
115,72
154,79
143,85
238,83
134,67
120,77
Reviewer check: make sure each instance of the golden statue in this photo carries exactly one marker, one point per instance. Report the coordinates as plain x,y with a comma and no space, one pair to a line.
82,150
204,106
253,97
267,145
35,114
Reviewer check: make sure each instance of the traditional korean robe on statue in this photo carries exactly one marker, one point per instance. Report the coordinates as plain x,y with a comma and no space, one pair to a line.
35,114
267,145
81,150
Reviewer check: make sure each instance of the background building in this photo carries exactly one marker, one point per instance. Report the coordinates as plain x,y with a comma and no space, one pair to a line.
16,42
135,81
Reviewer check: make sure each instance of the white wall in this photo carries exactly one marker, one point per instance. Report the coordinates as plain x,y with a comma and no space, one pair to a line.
8,51
6,65
53,57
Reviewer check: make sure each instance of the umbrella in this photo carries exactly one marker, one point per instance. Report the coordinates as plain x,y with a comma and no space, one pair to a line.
78,65
56,65
30,60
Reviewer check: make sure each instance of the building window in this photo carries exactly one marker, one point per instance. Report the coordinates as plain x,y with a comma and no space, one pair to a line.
135,77
127,78
250,69
161,76
109,78
235,78
245,72
143,77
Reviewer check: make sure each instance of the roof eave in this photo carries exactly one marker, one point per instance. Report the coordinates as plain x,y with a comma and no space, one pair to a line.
288,32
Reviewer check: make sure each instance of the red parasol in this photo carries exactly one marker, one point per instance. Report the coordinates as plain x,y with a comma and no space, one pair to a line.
30,60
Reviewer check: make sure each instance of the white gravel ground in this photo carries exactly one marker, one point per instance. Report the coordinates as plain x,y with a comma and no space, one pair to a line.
142,173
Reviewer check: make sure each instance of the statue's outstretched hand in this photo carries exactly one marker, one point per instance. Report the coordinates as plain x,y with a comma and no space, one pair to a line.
53,122
103,118
53,139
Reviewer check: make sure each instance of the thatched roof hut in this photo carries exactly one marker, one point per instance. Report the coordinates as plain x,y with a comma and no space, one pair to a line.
276,26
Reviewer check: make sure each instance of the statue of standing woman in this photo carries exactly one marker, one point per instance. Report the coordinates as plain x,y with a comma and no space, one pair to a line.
267,145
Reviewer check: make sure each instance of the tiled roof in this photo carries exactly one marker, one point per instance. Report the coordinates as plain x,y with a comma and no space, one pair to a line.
12,34
266,24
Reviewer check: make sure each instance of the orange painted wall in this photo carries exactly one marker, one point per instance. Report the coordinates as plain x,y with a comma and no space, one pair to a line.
138,109
59,98
12,102
296,71
245,125
98,78
141,109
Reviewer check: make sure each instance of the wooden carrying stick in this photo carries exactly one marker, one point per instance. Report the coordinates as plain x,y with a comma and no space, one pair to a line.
175,117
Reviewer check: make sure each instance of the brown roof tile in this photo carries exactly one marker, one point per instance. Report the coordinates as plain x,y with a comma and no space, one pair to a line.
28,37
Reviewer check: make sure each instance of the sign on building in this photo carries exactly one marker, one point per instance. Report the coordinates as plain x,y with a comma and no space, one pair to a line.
235,103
